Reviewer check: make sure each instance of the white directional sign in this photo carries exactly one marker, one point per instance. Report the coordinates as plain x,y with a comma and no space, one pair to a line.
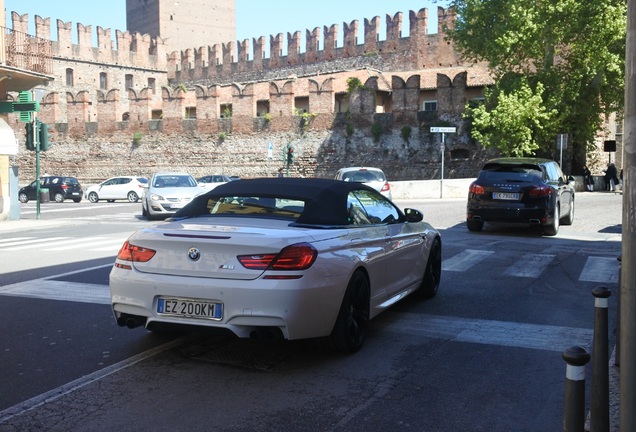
443,129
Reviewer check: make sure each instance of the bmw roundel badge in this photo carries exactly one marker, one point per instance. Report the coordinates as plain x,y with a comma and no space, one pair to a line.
194,254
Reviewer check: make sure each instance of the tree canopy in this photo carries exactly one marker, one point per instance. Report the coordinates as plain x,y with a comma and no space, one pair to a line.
558,67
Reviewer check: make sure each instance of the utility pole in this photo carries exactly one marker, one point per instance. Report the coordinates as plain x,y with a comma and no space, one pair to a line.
628,263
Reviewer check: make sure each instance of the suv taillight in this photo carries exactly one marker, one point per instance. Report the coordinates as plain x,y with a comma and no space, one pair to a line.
540,191
386,187
476,189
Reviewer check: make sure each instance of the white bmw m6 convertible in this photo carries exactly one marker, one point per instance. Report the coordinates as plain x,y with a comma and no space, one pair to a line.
296,258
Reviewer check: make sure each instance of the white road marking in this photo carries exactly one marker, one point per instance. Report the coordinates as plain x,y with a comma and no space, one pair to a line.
465,260
488,332
25,244
59,290
600,269
530,265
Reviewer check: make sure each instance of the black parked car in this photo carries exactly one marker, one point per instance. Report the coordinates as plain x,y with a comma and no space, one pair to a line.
528,191
60,188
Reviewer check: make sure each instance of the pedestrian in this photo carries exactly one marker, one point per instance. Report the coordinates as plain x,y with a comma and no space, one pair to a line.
587,179
280,173
611,177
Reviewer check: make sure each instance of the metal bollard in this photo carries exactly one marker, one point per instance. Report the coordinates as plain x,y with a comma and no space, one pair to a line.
574,408
617,360
599,410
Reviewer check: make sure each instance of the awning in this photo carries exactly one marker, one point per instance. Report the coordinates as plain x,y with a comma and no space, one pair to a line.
8,140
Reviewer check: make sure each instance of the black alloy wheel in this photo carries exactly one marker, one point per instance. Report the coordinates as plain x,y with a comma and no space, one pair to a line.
352,325
433,273
553,228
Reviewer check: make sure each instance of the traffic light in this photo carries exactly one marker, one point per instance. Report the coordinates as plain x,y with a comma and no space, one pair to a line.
30,144
44,137
290,155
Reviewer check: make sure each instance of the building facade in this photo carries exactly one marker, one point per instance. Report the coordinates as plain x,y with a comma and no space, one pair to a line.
135,106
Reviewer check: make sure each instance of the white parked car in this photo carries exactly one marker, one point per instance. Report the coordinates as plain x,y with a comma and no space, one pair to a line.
288,257
373,177
211,181
168,192
129,188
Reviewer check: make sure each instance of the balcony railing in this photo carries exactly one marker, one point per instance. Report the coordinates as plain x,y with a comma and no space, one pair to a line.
24,51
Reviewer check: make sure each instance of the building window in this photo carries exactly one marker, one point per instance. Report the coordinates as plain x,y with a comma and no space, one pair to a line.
190,112
156,114
125,117
129,81
69,77
429,105
301,105
103,81
226,110
151,84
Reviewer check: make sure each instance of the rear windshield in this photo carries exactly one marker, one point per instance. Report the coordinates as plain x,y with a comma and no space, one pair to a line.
255,206
363,176
495,172
174,181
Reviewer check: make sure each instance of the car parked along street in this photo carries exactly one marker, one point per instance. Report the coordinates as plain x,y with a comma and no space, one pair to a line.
129,188
168,192
59,188
530,191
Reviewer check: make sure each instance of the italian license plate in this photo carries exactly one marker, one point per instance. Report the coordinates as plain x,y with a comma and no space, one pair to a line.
177,206
189,308
505,196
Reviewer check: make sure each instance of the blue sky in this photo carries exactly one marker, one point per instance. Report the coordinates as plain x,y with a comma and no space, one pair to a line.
254,18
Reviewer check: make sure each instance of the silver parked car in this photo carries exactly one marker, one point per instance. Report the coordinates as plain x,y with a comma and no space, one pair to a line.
211,181
288,257
373,177
168,192
129,188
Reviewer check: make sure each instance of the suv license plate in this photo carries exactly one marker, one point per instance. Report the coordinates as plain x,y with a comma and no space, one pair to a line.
189,308
505,196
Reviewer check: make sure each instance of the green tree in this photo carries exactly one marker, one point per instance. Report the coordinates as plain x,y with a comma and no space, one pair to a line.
570,53
513,122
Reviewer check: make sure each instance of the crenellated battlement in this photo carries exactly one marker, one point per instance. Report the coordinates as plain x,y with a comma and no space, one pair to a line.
129,50
235,62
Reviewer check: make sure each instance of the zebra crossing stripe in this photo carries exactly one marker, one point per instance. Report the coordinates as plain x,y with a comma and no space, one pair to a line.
490,332
59,290
530,265
31,243
465,260
600,269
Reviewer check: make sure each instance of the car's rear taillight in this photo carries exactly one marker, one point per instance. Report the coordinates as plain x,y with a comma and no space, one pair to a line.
540,191
64,186
134,253
386,187
476,189
299,256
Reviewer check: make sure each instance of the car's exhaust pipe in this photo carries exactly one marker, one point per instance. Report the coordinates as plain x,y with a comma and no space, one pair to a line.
267,333
130,321
535,222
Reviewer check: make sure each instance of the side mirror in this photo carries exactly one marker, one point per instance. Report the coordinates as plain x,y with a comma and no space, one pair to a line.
413,215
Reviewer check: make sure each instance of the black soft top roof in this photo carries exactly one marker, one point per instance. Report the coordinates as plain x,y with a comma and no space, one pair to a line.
325,199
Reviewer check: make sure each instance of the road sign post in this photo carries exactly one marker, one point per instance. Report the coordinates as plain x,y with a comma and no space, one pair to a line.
443,131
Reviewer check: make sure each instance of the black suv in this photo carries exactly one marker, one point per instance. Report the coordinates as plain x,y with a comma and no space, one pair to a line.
59,187
529,191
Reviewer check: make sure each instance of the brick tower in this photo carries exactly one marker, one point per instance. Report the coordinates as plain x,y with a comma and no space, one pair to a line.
183,24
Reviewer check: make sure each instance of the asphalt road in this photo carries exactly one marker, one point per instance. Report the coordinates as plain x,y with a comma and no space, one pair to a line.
484,355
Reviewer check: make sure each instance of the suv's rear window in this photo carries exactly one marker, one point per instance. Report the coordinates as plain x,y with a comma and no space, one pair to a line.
508,172
363,176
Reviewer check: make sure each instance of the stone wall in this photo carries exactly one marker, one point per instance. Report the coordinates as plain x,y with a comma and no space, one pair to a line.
317,154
